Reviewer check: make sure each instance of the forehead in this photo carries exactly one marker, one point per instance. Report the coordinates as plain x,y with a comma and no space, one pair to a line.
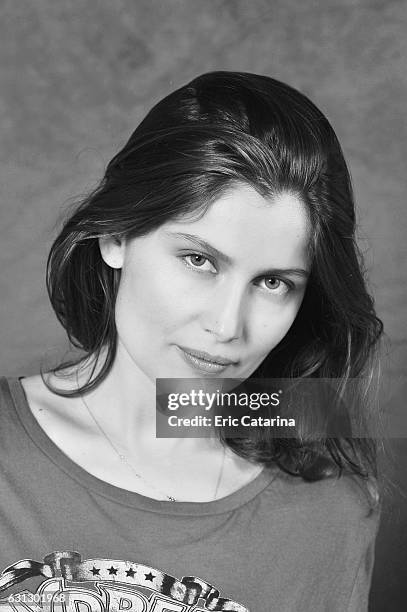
250,228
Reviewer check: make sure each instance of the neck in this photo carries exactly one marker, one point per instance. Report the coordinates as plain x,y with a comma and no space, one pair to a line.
125,402
123,405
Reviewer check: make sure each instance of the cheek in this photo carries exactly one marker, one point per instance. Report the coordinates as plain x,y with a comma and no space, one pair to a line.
147,299
275,325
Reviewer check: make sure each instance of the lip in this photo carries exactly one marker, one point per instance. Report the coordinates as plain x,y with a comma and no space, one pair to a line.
206,362
218,359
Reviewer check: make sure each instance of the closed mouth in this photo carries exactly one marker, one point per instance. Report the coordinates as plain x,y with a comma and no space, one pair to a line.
207,357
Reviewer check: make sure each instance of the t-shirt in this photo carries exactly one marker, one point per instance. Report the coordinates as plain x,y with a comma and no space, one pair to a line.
72,542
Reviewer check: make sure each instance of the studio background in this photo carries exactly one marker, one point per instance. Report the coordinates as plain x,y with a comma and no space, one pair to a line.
77,77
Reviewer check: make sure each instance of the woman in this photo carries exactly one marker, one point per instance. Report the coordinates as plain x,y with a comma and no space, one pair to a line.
219,243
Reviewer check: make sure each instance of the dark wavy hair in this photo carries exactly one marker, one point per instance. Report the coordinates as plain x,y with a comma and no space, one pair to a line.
220,130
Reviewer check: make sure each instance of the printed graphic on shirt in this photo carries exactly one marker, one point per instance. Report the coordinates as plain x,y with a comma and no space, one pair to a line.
111,586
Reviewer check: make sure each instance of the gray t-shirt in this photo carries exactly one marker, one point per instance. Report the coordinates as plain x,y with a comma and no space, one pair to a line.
278,544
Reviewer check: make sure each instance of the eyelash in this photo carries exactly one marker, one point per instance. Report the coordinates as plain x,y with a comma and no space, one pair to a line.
288,285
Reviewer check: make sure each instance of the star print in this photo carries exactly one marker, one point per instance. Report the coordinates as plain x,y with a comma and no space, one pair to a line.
95,571
130,573
112,571
149,577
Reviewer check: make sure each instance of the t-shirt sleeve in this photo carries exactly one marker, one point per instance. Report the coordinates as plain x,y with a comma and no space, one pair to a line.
359,599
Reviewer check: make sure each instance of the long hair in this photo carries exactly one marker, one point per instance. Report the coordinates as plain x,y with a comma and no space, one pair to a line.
220,130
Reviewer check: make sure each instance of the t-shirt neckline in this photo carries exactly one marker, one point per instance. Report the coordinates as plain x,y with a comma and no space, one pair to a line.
123,496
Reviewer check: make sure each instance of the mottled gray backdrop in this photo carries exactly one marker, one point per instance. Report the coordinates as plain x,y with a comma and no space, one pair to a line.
76,78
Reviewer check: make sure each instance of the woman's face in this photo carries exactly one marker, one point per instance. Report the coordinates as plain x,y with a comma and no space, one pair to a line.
212,297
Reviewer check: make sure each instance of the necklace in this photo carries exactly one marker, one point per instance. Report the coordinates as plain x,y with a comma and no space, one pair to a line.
124,459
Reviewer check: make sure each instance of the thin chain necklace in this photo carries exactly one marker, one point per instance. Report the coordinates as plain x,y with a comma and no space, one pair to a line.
124,459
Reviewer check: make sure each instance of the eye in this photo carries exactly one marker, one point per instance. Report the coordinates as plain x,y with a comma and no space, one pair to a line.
199,262
275,285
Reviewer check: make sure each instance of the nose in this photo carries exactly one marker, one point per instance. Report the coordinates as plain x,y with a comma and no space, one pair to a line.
224,315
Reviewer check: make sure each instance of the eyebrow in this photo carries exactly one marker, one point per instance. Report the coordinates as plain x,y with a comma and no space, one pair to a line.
215,253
